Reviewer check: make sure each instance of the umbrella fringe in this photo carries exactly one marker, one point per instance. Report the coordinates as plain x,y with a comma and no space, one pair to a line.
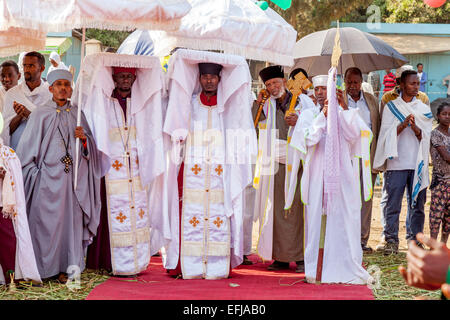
163,48
89,23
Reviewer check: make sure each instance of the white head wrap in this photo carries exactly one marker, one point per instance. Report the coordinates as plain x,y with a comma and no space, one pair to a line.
55,56
320,80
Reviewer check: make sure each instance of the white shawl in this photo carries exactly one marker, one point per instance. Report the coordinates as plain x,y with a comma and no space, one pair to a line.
30,99
394,113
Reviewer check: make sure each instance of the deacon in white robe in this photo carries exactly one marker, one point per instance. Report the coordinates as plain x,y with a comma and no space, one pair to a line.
342,260
122,102
24,98
209,114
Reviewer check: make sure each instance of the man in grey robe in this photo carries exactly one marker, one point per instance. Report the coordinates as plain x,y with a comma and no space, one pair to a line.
62,221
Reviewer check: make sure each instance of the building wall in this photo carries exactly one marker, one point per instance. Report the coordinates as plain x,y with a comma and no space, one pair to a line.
437,67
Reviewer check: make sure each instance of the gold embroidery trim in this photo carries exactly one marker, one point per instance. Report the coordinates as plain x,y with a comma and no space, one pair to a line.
125,239
197,195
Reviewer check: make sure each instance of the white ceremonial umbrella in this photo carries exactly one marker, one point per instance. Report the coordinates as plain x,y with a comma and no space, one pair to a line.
359,49
63,15
237,27
15,40
43,16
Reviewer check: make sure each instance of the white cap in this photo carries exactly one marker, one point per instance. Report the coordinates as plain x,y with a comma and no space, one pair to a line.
320,81
399,71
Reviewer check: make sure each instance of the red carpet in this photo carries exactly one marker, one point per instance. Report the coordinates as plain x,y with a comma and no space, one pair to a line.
255,283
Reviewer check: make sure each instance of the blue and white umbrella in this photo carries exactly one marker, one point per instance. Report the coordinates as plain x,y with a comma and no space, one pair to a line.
138,43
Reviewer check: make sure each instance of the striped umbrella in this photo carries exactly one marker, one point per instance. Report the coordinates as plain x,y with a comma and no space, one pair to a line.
138,43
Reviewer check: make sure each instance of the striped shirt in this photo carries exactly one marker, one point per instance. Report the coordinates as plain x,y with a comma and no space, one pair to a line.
389,82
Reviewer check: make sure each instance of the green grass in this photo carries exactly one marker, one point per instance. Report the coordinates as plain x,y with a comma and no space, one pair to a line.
391,285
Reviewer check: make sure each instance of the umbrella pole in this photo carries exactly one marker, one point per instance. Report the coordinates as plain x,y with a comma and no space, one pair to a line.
77,141
323,228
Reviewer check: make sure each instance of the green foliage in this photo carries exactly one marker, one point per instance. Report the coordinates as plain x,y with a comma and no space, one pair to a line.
309,16
416,11
108,38
402,11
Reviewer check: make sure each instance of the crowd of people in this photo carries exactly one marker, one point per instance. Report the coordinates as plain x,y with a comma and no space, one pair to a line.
182,163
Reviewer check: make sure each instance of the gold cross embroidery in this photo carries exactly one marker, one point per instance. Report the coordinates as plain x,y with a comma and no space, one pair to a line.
196,169
117,165
218,222
121,217
141,213
219,169
194,222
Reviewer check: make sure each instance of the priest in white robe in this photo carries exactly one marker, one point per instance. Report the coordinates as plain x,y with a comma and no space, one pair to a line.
122,101
209,115
281,229
342,259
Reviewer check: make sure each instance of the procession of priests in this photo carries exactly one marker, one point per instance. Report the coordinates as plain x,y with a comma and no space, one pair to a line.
129,162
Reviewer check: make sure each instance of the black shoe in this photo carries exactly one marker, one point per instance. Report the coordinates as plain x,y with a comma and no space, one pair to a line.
366,249
247,261
390,248
277,265
300,267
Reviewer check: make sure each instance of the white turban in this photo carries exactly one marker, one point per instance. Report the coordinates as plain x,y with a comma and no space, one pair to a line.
399,71
320,81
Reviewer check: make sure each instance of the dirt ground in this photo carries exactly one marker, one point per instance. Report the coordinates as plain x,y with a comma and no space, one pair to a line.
376,228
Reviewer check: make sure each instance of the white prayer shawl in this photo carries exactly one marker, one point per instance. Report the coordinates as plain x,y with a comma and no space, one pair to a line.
30,99
234,100
94,89
342,252
395,113
14,207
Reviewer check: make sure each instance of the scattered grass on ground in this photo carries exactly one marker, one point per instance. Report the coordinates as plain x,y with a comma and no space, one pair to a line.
54,290
391,285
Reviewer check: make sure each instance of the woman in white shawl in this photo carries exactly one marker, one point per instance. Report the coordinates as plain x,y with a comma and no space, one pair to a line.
56,62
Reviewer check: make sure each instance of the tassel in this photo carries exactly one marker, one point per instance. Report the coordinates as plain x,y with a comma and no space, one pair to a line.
12,284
